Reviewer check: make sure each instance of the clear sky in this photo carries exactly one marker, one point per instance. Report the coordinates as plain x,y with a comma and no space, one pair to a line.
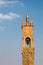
12,12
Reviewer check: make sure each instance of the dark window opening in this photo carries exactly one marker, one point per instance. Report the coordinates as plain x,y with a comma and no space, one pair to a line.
27,42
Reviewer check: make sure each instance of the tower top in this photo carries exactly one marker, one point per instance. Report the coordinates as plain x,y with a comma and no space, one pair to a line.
28,23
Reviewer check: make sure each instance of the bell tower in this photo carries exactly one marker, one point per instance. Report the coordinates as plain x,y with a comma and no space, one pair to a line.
27,43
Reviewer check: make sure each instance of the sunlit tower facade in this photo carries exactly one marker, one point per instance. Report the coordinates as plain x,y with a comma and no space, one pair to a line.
27,42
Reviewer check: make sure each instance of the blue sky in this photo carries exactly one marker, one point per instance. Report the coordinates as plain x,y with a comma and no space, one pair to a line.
12,12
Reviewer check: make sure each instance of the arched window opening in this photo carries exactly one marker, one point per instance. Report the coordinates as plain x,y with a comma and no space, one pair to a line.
27,42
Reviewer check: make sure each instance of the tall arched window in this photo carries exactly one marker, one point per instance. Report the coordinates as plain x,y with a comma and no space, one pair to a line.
27,42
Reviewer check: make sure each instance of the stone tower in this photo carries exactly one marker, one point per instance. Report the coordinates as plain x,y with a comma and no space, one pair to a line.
27,43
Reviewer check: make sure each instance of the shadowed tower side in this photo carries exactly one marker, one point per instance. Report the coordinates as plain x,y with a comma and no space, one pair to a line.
27,43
